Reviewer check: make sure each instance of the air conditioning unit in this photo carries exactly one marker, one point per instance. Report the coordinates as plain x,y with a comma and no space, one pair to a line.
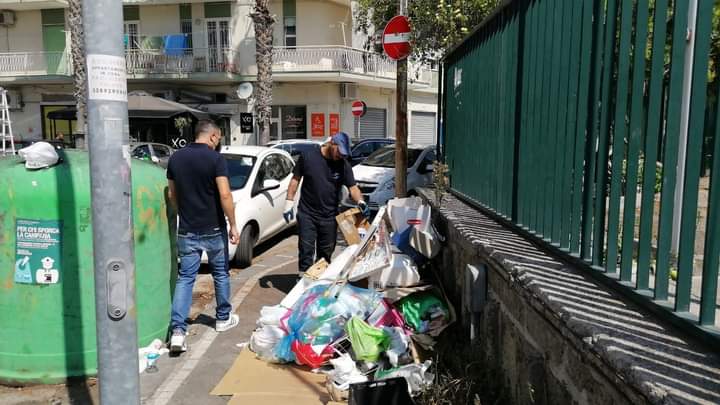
167,95
14,98
7,17
349,91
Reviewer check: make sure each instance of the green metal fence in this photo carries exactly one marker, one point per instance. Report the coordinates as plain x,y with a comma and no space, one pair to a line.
580,120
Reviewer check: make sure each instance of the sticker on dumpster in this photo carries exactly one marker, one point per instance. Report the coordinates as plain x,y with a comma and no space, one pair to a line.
38,251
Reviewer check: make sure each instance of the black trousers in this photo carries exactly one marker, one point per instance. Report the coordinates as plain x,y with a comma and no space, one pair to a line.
316,238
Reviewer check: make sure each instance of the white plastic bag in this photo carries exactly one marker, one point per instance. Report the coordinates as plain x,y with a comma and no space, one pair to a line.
263,341
39,155
345,372
270,316
416,375
155,346
402,272
423,237
400,210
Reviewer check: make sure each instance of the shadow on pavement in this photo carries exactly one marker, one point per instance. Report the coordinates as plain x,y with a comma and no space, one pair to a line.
202,319
270,243
280,282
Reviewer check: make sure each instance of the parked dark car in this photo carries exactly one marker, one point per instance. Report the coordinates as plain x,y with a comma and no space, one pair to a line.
157,153
365,147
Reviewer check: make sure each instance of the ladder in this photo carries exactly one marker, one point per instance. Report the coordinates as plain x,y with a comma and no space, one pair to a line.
8,141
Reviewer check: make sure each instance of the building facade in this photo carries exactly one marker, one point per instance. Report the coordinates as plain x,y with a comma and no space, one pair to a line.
200,52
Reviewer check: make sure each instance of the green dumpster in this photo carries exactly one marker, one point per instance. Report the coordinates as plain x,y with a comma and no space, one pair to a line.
47,293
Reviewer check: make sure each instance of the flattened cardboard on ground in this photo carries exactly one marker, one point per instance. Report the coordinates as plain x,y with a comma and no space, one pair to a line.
254,381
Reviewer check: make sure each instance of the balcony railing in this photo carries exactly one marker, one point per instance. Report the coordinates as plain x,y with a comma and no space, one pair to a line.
342,59
182,61
217,60
35,64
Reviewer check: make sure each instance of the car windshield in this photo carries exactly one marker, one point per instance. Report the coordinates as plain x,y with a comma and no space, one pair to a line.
239,168
385,157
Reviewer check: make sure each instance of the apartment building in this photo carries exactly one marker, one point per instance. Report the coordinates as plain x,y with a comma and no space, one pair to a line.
199,52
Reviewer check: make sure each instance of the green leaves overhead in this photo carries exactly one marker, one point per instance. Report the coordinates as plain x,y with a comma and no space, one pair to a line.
437,24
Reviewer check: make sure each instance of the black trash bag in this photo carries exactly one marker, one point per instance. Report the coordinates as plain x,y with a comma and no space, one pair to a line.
393,391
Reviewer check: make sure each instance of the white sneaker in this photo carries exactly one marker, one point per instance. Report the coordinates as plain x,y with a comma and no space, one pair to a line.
222,326
177,342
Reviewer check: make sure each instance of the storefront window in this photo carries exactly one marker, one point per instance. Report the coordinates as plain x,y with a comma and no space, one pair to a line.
288,122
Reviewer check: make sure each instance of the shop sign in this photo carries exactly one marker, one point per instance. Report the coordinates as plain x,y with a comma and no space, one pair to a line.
294,122
334,123
246,123
317,128
38,251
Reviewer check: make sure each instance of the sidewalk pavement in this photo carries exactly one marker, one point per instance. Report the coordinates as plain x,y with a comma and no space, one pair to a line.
189,378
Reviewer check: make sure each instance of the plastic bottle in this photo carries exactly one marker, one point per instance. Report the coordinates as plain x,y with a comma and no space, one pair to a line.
151,360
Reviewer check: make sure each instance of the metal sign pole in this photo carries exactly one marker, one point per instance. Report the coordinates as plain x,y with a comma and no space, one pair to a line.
111,215
401,122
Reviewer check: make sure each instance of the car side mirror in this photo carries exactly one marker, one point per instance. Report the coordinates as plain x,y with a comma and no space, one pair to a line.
154,159
270,184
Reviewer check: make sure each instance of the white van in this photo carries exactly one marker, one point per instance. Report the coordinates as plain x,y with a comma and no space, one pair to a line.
376,175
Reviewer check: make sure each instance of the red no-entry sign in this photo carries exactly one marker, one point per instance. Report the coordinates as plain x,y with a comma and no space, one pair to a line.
359,108
396,37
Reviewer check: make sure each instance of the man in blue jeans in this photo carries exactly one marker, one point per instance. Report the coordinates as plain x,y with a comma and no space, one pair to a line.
199,188
324,170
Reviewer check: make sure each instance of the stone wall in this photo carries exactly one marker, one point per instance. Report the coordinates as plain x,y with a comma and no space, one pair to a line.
556,336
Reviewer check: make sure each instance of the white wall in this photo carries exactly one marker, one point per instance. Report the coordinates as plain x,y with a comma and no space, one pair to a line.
25,35
27,123
318,23
159,20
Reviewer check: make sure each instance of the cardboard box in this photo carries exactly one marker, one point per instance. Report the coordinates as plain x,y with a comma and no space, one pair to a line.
254,381
349,221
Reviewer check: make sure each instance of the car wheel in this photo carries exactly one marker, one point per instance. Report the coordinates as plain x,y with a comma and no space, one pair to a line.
244,252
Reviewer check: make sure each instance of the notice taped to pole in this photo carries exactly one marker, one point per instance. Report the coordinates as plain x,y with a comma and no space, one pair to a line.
106,78
38,251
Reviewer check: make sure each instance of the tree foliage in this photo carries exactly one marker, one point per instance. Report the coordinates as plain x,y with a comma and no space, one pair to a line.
437,25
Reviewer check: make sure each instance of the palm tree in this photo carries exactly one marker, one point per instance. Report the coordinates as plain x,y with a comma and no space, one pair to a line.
264,23
77,51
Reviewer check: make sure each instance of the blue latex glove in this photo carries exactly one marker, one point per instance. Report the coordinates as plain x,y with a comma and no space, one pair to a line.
364,209
289,212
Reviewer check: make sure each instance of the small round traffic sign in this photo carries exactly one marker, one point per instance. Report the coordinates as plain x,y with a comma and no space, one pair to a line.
396,38
359,108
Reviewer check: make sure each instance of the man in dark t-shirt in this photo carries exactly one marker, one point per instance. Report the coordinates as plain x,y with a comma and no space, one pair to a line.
199,189
324,170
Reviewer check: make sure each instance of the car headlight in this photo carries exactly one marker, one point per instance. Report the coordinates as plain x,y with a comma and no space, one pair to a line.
387,186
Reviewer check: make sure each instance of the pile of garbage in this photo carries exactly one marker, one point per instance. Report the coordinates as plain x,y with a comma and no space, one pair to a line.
368,315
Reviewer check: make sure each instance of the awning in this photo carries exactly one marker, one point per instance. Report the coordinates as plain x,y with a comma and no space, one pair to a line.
140,106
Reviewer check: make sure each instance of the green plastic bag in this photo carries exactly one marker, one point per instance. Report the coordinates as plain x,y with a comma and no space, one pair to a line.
367,341
420,308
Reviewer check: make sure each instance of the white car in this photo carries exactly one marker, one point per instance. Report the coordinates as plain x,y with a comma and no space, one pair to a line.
295,146
376,175
259,179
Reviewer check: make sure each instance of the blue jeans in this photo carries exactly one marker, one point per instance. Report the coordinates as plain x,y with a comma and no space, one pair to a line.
190,249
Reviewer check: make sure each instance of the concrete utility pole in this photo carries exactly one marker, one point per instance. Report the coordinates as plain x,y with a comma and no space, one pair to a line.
401,122
115,309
